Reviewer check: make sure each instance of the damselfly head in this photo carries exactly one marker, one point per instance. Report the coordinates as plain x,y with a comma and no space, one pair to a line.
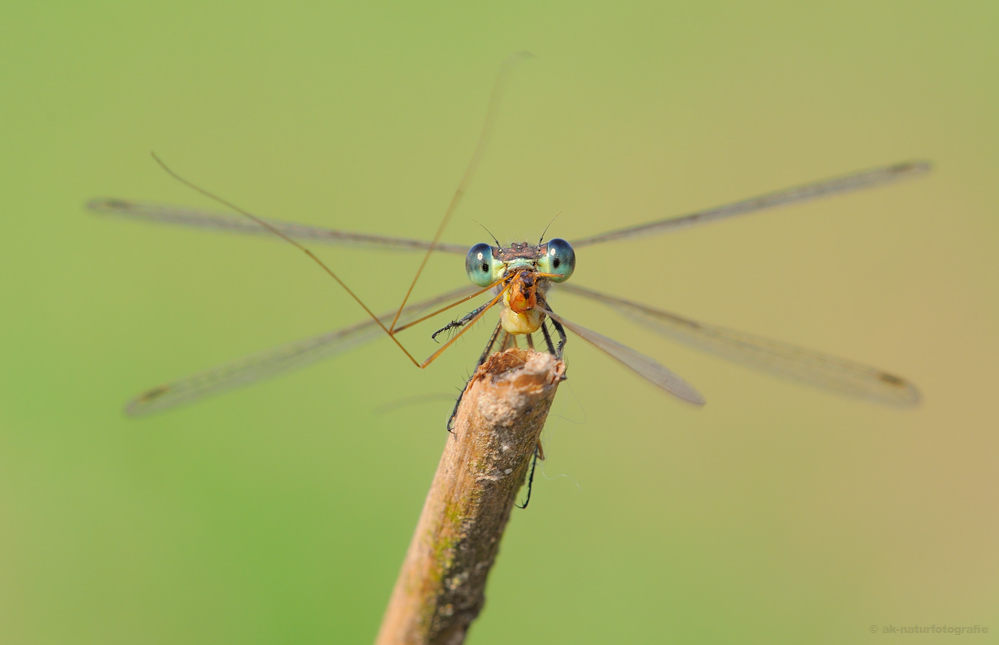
486,264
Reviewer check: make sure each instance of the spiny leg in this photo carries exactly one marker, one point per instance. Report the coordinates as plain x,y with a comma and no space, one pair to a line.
548,339
482,359
556,351
461,322
539,452
530,478
561,335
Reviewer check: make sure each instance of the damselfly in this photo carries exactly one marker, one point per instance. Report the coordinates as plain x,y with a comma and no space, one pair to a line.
518,279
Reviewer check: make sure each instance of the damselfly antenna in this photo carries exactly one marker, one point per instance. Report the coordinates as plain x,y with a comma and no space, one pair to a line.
488,231
548,227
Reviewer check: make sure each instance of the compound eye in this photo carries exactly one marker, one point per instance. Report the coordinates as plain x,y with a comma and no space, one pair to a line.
479,264
560,260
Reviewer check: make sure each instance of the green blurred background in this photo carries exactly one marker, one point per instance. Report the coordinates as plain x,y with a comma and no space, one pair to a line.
280,513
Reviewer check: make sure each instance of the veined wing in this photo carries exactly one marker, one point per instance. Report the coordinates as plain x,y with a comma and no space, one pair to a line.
211,220
640,363
274,361
804,192
782,359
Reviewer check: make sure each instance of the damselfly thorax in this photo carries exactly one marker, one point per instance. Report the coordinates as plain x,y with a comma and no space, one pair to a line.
520,314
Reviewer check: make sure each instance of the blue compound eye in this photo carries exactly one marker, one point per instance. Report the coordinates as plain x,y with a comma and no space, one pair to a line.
560,260
479,264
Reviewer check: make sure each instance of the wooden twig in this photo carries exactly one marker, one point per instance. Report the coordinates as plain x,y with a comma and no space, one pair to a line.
439,591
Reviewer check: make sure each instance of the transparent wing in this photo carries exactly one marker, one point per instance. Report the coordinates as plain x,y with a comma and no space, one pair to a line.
844,184
781,359
216,221
640,363
274,361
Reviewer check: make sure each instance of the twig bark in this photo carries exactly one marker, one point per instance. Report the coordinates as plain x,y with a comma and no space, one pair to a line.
440,588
